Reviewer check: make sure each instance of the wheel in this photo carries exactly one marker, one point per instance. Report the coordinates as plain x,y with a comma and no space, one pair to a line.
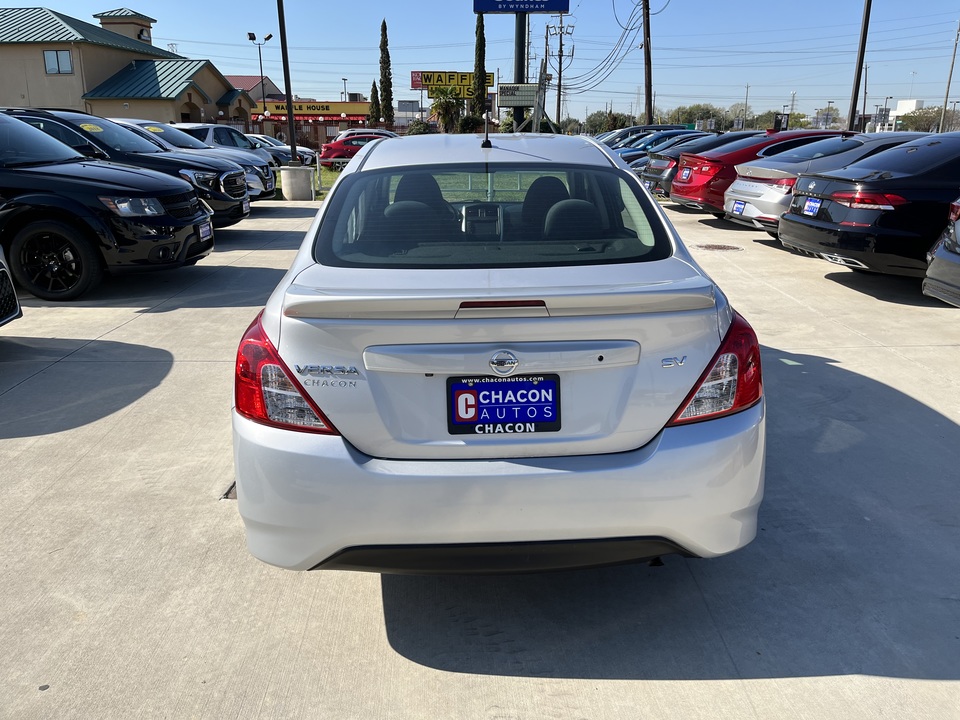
54,261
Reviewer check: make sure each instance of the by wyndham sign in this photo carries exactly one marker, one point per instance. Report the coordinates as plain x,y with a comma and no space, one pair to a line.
521,6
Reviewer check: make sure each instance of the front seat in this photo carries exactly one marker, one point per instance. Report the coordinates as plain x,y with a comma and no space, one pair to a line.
423,188
542,194
572,221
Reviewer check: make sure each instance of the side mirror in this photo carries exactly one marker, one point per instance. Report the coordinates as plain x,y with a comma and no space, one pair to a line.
256,145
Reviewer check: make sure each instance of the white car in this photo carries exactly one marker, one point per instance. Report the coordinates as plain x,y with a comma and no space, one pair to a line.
307,156
364,131
495,359
9,303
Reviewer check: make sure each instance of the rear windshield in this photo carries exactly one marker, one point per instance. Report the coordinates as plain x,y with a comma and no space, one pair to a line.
481,216
913,157
747,142
818,149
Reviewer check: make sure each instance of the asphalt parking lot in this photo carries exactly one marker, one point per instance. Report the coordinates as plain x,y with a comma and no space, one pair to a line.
127,591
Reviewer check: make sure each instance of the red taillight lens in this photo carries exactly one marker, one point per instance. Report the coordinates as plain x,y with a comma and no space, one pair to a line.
732,382
784,185
866,200
955,211
709,169
265,391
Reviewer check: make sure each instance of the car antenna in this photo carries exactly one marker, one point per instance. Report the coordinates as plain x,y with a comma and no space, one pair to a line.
486,132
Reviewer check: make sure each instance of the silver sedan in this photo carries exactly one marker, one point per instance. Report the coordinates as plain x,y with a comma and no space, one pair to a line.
495,357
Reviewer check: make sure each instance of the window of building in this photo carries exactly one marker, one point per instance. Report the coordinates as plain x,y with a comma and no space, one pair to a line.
58,62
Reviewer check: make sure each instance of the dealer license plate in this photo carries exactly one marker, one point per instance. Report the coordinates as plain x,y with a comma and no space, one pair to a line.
738,206
206,231
685,174
246,204
270,184
812,206
503,405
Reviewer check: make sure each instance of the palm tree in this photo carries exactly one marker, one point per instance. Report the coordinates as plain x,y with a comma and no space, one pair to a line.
447,106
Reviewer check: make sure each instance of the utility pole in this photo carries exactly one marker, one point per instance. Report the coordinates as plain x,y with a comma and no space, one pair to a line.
946,95
746,100
855,95
519,61
560,30
863,113
647,62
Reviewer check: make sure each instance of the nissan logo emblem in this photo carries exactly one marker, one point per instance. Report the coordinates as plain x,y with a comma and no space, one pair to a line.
504,362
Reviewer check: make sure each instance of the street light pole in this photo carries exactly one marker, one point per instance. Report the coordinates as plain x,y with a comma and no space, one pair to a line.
886,117
345,96
829,114
946,95
253,38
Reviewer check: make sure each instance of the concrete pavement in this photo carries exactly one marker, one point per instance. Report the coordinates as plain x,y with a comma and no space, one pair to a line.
126,590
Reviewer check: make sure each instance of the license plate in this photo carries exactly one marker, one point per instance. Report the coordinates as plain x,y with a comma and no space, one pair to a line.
206,231
270,184
685,174
503,405
246,204
812,206
738,206
647,184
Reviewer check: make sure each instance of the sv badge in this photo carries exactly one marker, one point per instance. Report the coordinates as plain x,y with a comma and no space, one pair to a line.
673,361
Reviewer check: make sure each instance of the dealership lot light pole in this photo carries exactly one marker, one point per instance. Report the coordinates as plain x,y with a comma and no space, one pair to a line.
253,38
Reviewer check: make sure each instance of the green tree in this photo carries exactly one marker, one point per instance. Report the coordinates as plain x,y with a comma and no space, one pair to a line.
386,77
923,120
418,127
470,124
447,106
373,117
479,99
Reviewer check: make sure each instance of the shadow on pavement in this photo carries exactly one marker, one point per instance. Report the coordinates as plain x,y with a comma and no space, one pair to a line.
854,570
89,392
194,287
262,210
887,288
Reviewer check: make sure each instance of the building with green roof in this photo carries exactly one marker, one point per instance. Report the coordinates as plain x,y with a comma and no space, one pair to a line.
53,60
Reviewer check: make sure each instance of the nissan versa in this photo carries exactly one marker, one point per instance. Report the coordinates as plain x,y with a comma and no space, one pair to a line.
489,359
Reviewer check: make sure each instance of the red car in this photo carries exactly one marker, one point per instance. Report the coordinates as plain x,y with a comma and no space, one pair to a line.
702,179
344,149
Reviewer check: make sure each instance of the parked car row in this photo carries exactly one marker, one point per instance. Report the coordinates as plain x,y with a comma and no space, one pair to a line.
882,203
83,196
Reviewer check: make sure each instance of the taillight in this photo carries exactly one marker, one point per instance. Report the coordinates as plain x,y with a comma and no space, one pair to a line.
732,382
265,391
708,169
784,185
954,211
866,200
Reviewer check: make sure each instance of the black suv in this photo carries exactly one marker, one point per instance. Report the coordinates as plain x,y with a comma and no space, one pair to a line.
65,220
219,183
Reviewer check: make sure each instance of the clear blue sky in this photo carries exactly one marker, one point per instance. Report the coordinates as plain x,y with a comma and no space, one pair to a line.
703,51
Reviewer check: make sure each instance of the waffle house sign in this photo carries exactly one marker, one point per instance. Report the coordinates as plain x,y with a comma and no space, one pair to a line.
318,110
461,82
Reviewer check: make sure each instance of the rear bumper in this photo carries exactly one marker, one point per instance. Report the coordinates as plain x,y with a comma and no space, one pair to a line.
695,201
755,212
307,500
852,247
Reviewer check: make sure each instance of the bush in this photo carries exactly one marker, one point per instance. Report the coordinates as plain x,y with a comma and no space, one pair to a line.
418,127
471,124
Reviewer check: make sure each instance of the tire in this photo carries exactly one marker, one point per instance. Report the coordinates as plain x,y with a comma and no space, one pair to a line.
54,261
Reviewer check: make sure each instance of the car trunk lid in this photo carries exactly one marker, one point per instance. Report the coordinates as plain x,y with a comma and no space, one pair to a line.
595,360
